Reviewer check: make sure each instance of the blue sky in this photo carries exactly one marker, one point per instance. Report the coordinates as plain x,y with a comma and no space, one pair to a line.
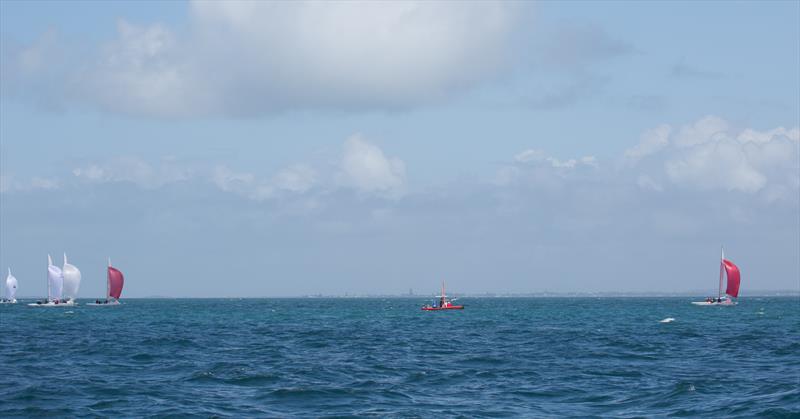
260,149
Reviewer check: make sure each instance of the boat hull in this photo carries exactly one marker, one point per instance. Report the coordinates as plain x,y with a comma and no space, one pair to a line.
108,304
8,302
726,303
442,308
51,304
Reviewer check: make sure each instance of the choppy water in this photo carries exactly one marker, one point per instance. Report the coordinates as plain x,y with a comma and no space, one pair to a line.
372,357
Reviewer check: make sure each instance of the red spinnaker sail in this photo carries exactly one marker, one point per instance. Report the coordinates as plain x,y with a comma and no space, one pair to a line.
116,281
733,278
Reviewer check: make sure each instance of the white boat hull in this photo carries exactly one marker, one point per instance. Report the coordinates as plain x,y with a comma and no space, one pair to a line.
108,304
12,301
726,303
52,304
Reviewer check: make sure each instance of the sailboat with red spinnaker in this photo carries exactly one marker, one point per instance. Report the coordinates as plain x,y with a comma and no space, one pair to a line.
727,270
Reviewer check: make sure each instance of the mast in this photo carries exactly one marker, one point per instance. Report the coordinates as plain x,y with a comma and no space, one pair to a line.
47,277
108,278
721,270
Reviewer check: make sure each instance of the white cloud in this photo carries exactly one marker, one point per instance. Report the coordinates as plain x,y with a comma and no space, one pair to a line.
134,170
297,178
651,142
9,183
366,168
230,181
531,156
251,58
143,72
646,182
709,154
363,167
535,167
721,164
44,183
702,131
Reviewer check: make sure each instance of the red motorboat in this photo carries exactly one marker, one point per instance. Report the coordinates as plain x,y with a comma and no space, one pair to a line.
442,303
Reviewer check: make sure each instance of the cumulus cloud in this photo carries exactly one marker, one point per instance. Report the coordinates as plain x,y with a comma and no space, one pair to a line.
9,183
534,167
646,182
365,168
709,154
652,141
251,58
538,156
294,179
297,178
134,170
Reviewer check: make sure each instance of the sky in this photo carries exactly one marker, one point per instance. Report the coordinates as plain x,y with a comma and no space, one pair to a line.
218,149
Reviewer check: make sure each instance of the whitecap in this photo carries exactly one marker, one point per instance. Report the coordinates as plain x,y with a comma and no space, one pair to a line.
667,320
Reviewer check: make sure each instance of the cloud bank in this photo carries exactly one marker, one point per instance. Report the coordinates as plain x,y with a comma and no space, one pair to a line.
669,201
246,58
711,155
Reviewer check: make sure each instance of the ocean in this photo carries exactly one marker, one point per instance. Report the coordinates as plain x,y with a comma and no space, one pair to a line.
316,357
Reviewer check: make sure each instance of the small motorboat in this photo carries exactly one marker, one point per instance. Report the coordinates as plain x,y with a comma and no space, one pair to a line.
442,303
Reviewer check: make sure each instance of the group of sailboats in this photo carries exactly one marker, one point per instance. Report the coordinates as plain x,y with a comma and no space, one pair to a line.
63,284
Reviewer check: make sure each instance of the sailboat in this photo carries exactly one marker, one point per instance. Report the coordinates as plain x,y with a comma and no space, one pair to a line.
731,271
72,280
443,303
114,282
55,288
11,289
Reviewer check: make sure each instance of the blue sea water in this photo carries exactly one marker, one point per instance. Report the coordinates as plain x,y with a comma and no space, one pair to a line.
500,357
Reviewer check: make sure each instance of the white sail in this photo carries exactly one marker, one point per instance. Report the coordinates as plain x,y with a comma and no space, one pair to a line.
55,282
72,279
11,286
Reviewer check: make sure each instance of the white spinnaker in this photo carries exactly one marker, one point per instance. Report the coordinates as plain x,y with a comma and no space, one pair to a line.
56,282
72,279
11,286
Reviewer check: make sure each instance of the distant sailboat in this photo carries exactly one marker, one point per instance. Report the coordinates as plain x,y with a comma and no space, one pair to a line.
55,287
11,289
731,271
114,283
72,280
